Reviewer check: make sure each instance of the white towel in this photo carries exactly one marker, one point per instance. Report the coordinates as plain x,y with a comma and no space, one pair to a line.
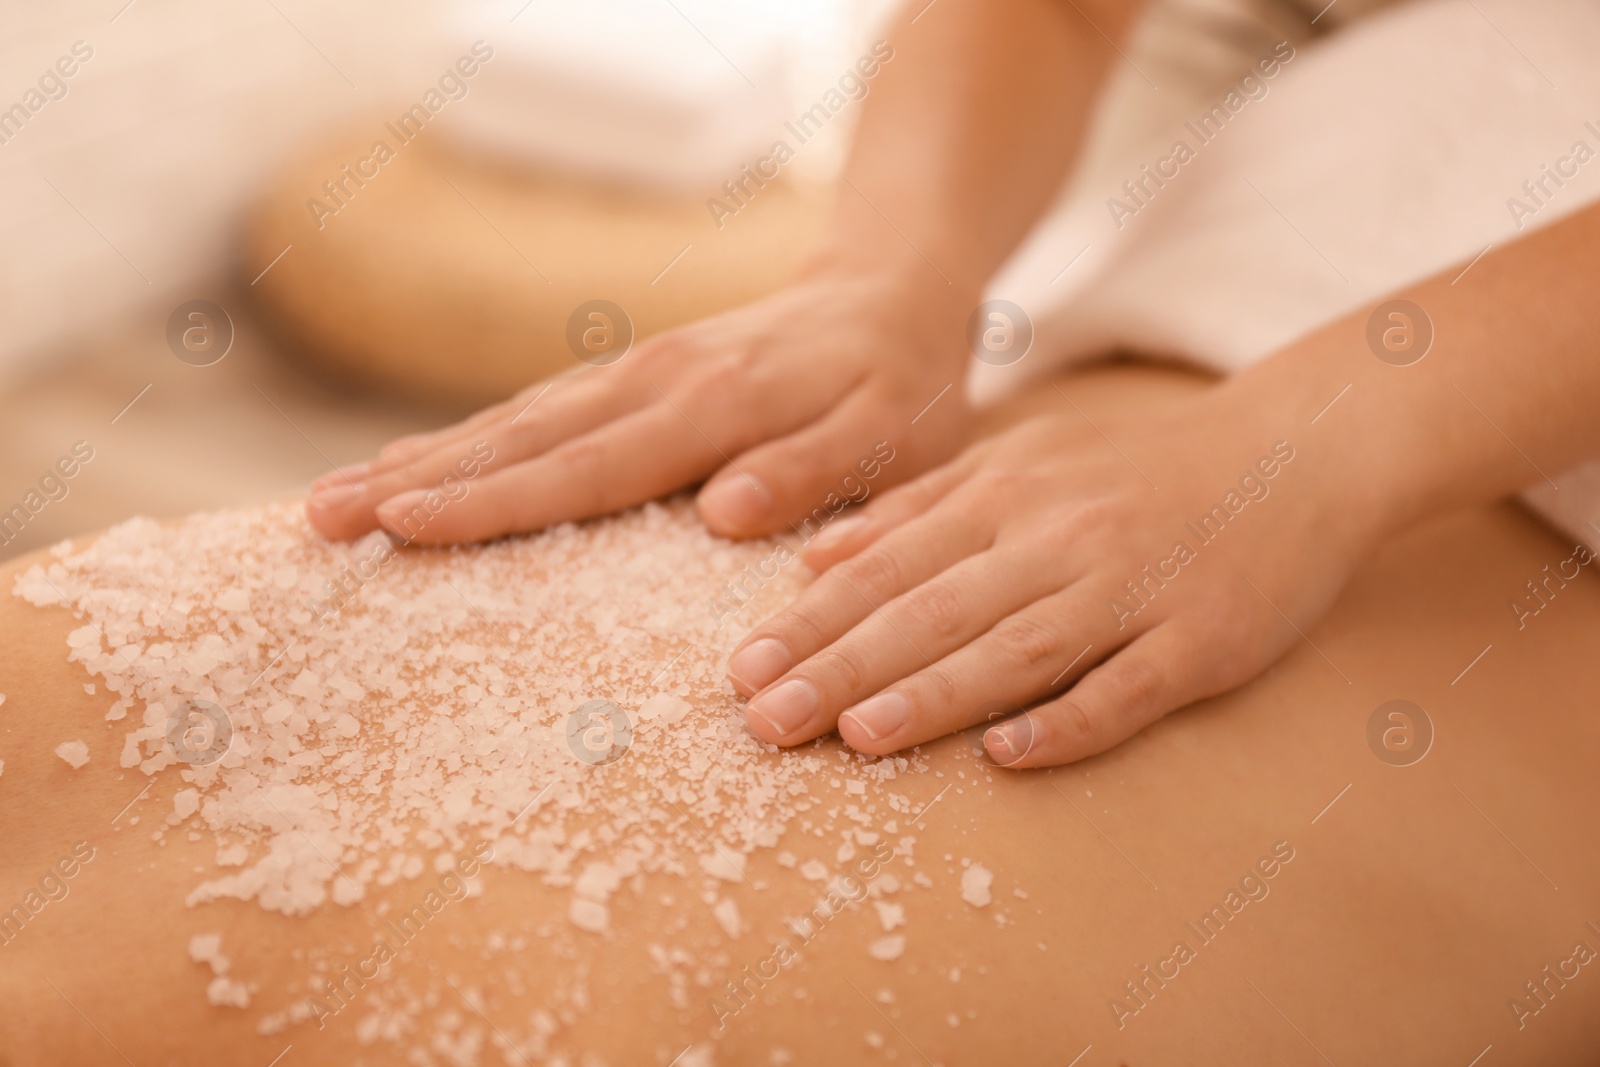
1379,156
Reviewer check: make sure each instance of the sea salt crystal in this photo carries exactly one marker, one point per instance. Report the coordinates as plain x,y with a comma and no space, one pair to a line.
207,949
185,802
890,915
887,948
729,866
225,992
727,914
975,882
76,753
665,707
457,670
589,915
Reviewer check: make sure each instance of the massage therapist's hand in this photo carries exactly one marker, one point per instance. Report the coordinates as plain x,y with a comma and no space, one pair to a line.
774,402
1043,560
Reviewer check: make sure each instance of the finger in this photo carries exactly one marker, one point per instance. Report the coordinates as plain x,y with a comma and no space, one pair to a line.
626,462
345,511
1027,654
842,597
513,409
559,394
802,479
403,450
903,637
1152,676
850,534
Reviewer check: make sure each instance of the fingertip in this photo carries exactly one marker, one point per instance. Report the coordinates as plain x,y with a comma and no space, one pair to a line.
328,510
1011,742
354,473
403,447
399,514
837,541
735,504
757,664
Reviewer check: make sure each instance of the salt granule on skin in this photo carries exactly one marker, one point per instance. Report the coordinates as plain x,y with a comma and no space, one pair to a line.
975,882
367,746
887,948
76,753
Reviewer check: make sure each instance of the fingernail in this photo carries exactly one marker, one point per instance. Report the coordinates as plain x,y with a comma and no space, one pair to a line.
1007,744
739,500
836,533
401,444
395,507
336,495
356,472
786,708
759,664
881,715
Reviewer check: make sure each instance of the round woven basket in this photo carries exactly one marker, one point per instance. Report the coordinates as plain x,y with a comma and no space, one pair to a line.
451,279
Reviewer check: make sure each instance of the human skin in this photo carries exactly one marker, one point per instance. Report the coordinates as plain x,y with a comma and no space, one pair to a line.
996,574
1416,903
1000,575
964,138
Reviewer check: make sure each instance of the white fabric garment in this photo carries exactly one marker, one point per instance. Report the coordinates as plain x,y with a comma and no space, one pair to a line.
1377,156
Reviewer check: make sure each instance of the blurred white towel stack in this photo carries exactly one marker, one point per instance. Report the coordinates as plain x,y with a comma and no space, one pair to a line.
1382,155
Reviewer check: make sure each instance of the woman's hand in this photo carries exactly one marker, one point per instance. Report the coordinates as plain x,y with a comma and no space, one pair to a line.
1139,577
776,402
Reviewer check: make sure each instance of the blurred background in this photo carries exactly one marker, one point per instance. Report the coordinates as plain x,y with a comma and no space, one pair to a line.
217,280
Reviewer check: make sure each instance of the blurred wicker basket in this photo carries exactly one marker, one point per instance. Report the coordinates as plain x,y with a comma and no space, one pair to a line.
451,279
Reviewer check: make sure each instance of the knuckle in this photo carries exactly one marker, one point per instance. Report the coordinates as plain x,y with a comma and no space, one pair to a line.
939,686
842,667
802,627
1026,641
1136,682
1083,522
667,347
583,462
936,607
875,574
1075,725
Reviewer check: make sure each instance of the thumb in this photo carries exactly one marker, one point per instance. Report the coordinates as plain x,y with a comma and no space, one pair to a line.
805,478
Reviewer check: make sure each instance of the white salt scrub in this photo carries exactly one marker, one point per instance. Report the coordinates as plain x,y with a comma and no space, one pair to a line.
76,753
975,882
428,717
